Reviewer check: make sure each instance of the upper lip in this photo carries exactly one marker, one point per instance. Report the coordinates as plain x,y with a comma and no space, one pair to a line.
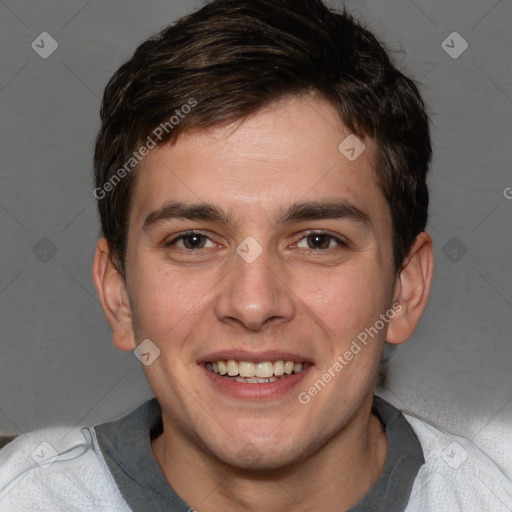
254,356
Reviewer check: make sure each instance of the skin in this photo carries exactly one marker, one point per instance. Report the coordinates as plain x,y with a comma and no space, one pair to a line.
221,452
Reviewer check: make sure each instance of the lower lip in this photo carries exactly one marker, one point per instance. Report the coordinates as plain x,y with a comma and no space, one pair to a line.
256,391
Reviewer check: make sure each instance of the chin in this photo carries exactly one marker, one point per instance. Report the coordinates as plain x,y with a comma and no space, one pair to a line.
260,454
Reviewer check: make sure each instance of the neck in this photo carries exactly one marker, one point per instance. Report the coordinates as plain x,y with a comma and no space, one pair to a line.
334,478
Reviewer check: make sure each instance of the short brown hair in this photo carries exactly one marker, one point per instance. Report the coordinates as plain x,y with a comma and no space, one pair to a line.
233,57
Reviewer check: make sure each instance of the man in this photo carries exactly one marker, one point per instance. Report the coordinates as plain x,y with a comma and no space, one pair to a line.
261,181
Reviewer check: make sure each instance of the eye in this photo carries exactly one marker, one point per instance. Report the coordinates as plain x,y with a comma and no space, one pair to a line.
320,241
191,241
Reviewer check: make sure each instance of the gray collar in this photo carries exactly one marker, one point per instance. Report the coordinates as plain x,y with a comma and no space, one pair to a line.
126,448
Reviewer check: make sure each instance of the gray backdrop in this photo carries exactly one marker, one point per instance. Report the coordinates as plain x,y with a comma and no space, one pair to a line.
57,362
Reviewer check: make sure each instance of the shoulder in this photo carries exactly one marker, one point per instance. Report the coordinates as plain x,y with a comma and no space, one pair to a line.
457,475
56,469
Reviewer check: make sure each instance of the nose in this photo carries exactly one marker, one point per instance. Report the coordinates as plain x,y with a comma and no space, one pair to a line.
254,295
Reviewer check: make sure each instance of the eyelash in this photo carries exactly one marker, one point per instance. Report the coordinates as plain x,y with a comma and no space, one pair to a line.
185,235
341,242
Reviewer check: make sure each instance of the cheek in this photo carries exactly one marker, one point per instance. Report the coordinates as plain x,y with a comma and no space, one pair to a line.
166,303
347,299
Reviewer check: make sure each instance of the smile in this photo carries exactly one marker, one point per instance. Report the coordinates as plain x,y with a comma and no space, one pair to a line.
255,373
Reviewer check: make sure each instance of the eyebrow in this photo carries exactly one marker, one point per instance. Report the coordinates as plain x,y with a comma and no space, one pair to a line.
176,210
311,210
317,210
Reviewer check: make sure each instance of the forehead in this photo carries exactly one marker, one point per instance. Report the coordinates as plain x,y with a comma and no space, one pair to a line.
293,150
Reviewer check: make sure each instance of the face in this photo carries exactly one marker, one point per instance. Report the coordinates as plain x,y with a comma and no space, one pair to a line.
256,250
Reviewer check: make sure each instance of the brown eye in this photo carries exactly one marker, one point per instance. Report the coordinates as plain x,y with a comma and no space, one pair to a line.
194,241
320,241
190,241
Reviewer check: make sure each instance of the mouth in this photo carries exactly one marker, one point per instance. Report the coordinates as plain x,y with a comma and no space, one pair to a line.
248,372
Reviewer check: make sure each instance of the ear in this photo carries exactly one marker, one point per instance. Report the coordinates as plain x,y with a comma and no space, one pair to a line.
412,290
113,296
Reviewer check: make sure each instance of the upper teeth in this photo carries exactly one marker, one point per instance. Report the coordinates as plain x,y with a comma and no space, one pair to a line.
247,369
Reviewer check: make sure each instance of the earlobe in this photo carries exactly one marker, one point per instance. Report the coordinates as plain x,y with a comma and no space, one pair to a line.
113,296
412,290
